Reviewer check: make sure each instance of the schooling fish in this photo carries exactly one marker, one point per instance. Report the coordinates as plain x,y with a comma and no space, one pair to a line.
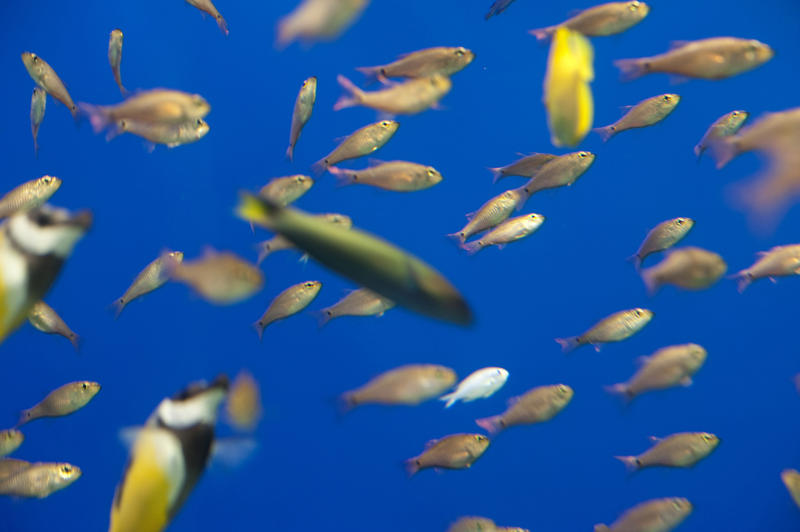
561,172
243,405
690,268
481,524
361,142
288,303
152,277
661,237
319,20
10,440
361,302
115,57
44,318
537,405
303,106
492,213
167,134
62,401
38,104
44,75
407,98
29,195
768,133
165,107
643,114
208,7
39,480
444,61
656,515
457,451
684,449
479,384
407,385
724,126
780,261
509,231
600,21
528,166
221,278
285,190
614,328
399,176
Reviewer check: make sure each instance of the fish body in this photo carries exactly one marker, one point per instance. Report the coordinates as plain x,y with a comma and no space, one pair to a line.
663,236
563,171
714,58
10,440
115,57
441,60
221,278
407,98
39,480
11,466
668,367
567,95
492,213
155,107
407,385
285,190
780,261
684,449
319,20
62,401
208,7
279,243
152,277
481,524
44,318
167,134
398,176
479,384
690,268
509,231
361,142
38,104
528,166
537,405
457,451
614,328
791,479
287,303
600,21
243,405
656,515
361,302
44,76
29,195
303,107
724,126
643,114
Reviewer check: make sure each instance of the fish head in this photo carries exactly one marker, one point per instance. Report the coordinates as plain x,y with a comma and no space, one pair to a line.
637,10
49,182
441,84
176,256
31,62
737,118
791,478
116,34
432,175
388,126
535,220
67,473
584,159
444,375
48,230
709,440
757,53
200,128
309,85
676,510
642,314
682,224
312,287
697,355
463,55
563,393
88,388
668,101
500,375
478,443
304,181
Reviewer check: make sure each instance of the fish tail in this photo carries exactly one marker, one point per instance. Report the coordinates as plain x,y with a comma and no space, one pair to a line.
450,398
355,97
255,209
319,167
346,402
343,177
606,132
459,236
650,282
371,73
631,69
621,390
412,466
118,305
601,528
323,317
24,417
637,262
472,247
75,340
744,279
724,150
259,328
542,34
76,114
98,116
631,463
263,252
568,344
490,424
497,174
290,153
698,151
223,26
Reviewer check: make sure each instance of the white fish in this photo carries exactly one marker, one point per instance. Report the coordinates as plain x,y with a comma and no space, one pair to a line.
478,385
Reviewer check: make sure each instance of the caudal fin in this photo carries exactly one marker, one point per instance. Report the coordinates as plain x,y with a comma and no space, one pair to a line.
568,344
290,153
492,424
263,251
319,167
724,150
323,317
472,247
75,340
743,280
343,177
497,174
636,260
621,390
542,34
259,328
353,99
371,73
98,116
606,132
631,463
460,236
631,69
24,417
118,306
698,151
412,466
450,398
650,282
223,26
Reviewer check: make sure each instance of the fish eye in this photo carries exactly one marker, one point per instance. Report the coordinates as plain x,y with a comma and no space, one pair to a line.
633,6
460,52
431,172
46,179
83,385
667,97
479,437
35,59
66,469
582,154
385,123
638,312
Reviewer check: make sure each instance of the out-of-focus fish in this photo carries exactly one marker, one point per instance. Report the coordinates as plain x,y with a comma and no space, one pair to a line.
668,367
481,524
361,142
43,317
479,384
505,233
62,401
39,480
492,213
683,449
791,479
655,515
614,328
167,134
457,451
243,405
528,166
496,8
567,95
221,278
367,260
44,76
279,243
115,57
285,190
780,261
153,276
724,126
661,237
303,106
399,176
208,7
288,303
319,20
563,171
29,195
714,58
766,134
11,466
38,104
689,268
10,440
441,60
600,21
407,385
361,302
154,107
643,114
537,405
33,247
407,98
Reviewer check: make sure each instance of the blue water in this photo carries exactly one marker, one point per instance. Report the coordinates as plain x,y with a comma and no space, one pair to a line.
313,470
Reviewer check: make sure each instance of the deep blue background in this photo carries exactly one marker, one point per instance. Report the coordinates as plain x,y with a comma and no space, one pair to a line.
313,471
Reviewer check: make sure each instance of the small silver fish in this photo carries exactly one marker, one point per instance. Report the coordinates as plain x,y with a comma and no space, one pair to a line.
303,106
39,480
44,318
62,401
29,195
768,134
285,190
614,328
152,276
661,237
563,171
780,261
115,57
361,142
492,213
690,268
683,449
441,60
361,302
528,166
319,20
656,515
208,7
221,278
643,114
407,385
168,134
537,405
407,98
38,104
44,75
287,303
161,107
724,126
457,451
509,231
600,21
399,176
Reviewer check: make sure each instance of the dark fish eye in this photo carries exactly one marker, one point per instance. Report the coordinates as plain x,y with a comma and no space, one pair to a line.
459,53
667,98
83,385
66,469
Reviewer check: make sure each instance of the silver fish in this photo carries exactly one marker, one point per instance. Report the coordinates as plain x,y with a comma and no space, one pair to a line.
724,126
780,261
38,104
528,166
690,268
643,114
399,176
167,134
600,21
29,195
164,107
684,449
614,328
115,57
152,276
661,237
285,190
407,98
441,60
303,106
319,20
62,401
656,515
208,7
44,75
361,302
361,142
492,213
39,480
45,319
563,171
287,303
509,231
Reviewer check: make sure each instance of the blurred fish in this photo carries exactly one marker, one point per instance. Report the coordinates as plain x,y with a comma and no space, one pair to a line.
39,480
457,451
359,143
167,459
285,190
767,134
689,268
221,278
666,368
399,176
44,76
115,57
153,276
38,104
528,166
45,319
157,107
208,7
714,58
288,303
365,259
614,328
444,61
563,171
537,405
791,479
62,401
33,247
319,20
780,261
724,126
481,524
492,213
407,98
661,237
303,106
505,233
567,95
497,7
11,466
683,449
167,134
655,515
10,440
29,195
361,302
643,114
479,384
600,21
243,405
279,243
407,385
